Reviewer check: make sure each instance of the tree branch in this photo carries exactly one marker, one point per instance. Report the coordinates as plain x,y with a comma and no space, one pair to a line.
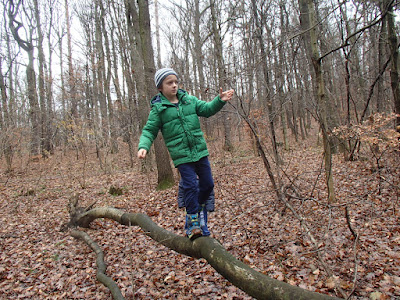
346,42
307,230
101,266
254,283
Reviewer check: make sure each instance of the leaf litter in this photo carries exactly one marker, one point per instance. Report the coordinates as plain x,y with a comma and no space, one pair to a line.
38,261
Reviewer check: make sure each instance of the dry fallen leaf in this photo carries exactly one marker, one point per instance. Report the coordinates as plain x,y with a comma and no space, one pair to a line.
330,283
377,296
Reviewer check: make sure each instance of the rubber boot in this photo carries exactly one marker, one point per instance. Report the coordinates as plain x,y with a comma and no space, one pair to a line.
192,226
203,220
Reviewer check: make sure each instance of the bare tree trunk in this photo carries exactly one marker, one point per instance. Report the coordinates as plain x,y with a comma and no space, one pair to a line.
381,58
45,138
49,89
302,112
11,108
27,45
394,62
34,105
5,125
4,118
107,85
64,117
140,31
116,82
101,72
133,67
308,23
222,79
165,174
266,84
157,34
281,80
198,59
71,71
95,93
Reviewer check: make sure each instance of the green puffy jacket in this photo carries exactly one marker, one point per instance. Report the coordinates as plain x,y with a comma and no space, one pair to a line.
180,126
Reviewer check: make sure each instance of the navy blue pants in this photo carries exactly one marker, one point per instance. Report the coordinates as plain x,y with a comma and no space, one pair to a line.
196,192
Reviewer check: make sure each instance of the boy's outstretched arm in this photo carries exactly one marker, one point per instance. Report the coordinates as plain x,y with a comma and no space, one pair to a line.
227,95
142,153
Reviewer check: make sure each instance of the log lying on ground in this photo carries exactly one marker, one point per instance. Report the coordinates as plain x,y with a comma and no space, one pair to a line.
241,275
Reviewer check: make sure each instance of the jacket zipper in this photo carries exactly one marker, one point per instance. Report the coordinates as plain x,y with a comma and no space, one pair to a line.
184,129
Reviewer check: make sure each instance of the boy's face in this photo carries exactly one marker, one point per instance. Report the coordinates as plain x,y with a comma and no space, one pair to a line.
169,86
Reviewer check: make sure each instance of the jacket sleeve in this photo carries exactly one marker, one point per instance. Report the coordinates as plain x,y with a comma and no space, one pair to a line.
207,109
150,130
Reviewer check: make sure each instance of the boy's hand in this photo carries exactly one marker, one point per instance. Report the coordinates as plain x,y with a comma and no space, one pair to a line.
142,153
227,95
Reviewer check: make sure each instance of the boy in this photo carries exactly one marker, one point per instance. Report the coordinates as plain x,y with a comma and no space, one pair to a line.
176,114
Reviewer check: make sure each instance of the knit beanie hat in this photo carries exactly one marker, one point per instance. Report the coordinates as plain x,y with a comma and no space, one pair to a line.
162,74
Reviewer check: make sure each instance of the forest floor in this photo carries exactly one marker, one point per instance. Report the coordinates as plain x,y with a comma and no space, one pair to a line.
39,261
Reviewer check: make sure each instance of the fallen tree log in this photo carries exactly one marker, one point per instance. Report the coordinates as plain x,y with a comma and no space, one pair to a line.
254,283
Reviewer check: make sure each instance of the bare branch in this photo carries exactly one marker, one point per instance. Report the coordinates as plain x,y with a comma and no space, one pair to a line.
254,283
101,266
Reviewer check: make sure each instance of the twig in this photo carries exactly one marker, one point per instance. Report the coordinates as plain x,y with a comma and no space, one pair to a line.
355,267
315,243
349,223
356,237
316,180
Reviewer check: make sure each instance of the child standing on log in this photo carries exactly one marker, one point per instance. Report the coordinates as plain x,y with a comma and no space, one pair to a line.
176,114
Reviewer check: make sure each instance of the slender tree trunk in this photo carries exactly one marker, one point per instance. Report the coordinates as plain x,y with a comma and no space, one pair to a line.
116,81
308,23
281,80
101,72
394,62
27,46
198,58
5,124
165,174
138,105
71,71
107,85
34,111
63,93
158,43
301,107
49,89
266,84
140,35
95,92
381,58
4,117
222,79
45,139
11,107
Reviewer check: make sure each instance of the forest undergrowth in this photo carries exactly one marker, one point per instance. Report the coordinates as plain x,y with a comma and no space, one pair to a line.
358,235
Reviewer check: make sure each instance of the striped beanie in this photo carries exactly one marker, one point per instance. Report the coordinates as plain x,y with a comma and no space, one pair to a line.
162,74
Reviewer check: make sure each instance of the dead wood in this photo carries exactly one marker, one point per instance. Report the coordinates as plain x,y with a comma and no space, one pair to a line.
254,283
101,266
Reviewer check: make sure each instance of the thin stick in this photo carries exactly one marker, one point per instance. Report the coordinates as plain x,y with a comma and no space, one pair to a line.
349,223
